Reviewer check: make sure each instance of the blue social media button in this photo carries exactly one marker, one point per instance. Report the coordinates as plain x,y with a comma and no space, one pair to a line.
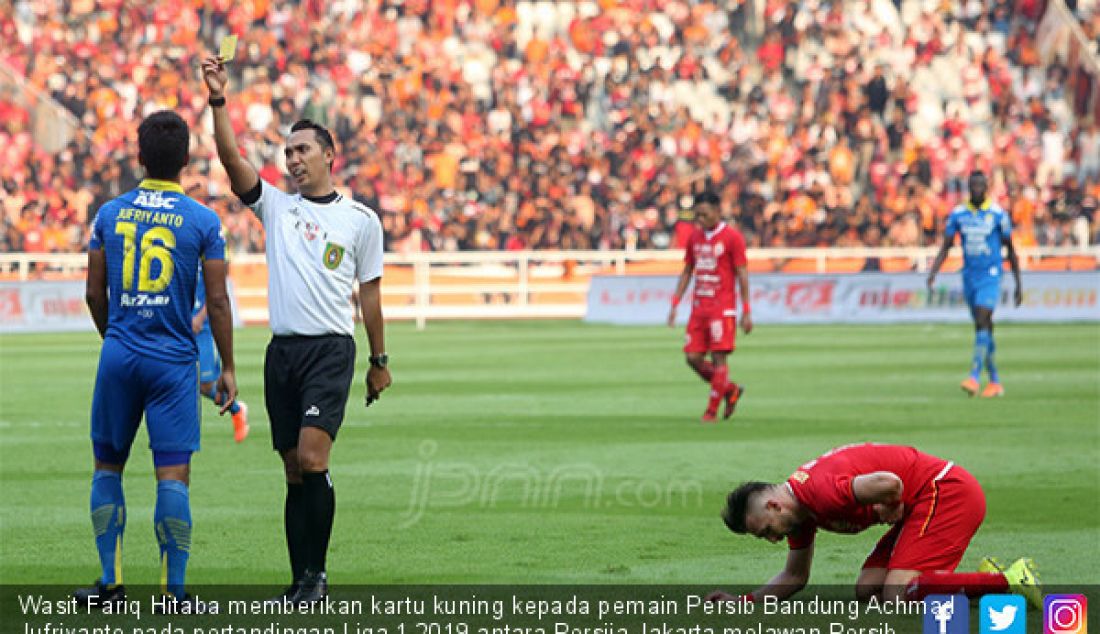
946,614
1002,614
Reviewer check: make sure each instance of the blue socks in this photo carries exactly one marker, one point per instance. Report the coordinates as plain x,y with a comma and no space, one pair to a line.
992,369
981,346
172,520
983,349
213,396
108,508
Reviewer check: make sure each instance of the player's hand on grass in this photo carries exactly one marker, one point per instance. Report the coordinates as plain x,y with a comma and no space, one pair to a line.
1018,296
215,75
378,379
889,513
746,323
226,391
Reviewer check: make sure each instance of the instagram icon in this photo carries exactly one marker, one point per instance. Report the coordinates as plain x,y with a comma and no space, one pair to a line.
1065,614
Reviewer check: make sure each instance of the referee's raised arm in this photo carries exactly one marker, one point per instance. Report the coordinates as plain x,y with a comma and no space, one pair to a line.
242,176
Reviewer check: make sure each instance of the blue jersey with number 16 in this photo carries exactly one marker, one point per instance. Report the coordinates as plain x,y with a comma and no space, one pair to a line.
154,238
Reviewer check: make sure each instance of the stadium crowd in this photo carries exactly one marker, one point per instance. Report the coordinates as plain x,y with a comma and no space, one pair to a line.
490,124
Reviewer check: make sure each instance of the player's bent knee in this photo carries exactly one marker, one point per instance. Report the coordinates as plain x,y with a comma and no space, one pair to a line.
897,582
312,461
869,583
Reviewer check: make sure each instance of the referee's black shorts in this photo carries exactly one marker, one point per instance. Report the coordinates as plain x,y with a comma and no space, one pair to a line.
306,384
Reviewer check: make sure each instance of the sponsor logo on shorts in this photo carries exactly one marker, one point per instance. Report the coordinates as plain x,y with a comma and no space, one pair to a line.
313,411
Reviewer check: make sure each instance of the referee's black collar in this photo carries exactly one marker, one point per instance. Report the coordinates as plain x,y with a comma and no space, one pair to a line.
323,200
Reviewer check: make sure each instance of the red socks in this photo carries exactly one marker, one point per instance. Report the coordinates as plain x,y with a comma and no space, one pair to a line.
719,383
972,584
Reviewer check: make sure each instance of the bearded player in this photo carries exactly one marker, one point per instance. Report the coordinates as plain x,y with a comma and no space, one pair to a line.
933,506
715,255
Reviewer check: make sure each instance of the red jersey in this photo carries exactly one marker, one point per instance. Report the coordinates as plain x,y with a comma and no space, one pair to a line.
715,256
824,486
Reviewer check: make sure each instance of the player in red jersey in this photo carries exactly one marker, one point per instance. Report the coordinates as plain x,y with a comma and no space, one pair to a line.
934,506
715,254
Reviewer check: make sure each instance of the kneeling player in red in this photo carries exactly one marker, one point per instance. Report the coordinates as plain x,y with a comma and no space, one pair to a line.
934,506
715,254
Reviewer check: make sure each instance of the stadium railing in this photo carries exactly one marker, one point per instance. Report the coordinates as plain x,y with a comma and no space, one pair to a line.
545,284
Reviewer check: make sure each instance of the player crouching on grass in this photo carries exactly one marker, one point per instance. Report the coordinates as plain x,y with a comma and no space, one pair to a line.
715,254
934,507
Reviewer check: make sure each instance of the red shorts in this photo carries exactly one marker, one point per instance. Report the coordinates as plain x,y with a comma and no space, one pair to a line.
935,532
710,332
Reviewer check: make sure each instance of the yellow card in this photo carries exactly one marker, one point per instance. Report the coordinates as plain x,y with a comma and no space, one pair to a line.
229,48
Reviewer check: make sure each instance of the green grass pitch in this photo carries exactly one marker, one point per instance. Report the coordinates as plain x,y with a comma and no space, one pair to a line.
559,452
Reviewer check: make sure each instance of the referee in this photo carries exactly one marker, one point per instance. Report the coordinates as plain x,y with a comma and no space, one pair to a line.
319,244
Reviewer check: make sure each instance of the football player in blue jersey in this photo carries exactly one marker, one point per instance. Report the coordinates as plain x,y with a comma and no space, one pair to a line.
143,258
984,228
210,364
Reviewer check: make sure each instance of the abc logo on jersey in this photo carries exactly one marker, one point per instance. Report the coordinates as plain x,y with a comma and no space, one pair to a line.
1065,614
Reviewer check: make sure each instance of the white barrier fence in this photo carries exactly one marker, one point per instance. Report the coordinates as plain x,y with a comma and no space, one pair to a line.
54,306
481,285
855,298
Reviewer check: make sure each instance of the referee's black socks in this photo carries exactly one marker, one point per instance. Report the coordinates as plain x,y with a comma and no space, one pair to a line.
319,500
294,522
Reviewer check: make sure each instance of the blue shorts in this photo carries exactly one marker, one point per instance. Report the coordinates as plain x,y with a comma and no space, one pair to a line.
128,384
984,293
210,364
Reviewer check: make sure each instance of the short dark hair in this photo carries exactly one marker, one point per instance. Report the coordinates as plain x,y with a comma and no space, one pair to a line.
737,505
707,197
978,174
324,137
163,140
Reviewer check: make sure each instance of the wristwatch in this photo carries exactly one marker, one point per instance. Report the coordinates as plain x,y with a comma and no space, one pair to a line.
379,360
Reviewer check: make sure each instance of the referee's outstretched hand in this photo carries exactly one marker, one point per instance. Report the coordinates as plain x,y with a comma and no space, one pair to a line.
378,379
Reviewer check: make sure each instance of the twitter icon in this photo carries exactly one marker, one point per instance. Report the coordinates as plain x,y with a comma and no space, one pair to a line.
1002,614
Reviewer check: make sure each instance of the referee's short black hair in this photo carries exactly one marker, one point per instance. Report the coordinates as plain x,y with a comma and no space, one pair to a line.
707,197
737,505
324,137
163,140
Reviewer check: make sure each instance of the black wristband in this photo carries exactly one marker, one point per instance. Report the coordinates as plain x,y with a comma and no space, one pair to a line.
216,102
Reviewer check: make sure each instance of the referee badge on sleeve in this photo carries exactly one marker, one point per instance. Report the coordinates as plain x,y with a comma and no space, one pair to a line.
334,255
